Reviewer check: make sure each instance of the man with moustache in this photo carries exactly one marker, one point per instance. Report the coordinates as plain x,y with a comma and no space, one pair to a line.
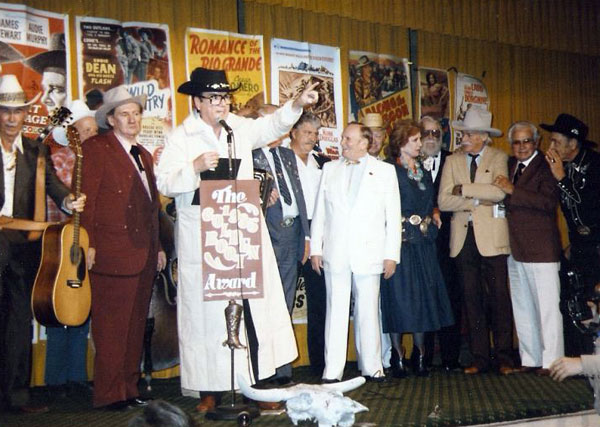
287,223
355,252
575,167
124,252
20,256
449,336
265,329
304,138
479,238
531,199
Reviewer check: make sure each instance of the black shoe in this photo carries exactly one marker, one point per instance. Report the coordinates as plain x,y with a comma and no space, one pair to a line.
452,367
371,379
138,402
283,381
120,406
397,365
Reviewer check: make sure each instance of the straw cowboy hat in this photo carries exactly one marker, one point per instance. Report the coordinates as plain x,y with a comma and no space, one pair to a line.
477,120
571,127
114,98
54,58
373,120
205,80
12,94
79,110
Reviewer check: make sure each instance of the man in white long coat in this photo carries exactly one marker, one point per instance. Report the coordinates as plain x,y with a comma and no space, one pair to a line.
194,147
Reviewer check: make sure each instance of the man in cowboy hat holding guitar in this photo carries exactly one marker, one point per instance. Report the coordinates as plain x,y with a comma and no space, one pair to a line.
19,257
195,147
124,253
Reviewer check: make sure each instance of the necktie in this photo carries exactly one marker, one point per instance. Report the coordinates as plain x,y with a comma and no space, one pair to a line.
473,166
518,173
135,152
433,164
283,188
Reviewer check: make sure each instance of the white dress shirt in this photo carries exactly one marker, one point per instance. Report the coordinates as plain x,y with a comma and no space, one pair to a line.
310,176
127,147
287,210
9,161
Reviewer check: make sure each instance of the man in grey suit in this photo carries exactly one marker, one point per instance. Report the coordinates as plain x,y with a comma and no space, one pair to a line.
287,222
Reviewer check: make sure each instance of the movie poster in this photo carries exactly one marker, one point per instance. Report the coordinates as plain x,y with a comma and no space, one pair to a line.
379,84
136,54
434,99
296,65
240,55
469,92
34,46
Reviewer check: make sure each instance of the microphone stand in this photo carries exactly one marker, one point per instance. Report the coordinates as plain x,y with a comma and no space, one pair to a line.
239,412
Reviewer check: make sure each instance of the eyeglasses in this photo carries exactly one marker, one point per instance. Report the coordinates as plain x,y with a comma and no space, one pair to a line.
433,132
522,141
217,99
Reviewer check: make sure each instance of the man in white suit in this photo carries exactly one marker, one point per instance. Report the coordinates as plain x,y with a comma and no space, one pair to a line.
355,237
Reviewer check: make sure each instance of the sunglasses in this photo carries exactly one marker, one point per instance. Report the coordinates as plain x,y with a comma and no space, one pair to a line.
436,133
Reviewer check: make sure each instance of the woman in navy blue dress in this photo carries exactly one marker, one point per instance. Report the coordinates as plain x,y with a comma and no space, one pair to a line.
414,299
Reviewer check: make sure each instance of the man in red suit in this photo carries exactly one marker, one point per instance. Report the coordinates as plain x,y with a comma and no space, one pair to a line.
122,222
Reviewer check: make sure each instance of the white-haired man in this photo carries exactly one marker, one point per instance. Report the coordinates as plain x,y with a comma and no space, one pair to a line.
479,238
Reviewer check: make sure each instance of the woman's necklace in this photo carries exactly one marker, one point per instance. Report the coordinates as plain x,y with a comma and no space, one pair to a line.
415,174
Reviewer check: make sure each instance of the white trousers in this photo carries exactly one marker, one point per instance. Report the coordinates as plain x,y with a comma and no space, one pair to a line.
367,331
535,295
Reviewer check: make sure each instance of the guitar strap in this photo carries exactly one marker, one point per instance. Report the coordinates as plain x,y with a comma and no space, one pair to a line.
38,225
39,210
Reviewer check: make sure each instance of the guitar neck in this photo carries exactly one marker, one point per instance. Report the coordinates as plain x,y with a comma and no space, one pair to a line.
76,146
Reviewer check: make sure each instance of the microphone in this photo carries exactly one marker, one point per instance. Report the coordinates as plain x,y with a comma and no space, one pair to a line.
225,126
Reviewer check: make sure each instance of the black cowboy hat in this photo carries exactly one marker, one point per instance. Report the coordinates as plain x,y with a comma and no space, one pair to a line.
54,57
205,80
571,127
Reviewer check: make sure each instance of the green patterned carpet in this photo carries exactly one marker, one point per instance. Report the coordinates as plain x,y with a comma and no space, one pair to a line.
460,399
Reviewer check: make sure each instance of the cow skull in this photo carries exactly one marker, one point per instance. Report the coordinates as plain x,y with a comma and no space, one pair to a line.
324,403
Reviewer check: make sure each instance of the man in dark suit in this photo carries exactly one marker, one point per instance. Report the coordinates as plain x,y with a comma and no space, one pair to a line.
449,336
124,253
19,257
304,138
531,200
287,222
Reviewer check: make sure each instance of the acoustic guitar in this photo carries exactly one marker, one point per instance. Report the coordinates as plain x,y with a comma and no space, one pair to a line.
61,291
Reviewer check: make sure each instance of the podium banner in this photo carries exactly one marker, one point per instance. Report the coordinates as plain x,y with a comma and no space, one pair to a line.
231,240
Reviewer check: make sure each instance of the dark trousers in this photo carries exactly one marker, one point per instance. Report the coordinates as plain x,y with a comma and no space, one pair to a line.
288,242
485,290
66,350
119,310
18,266
448,336
316,308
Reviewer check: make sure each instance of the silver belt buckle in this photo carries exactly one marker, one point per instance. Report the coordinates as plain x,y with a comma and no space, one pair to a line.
287,222
414,219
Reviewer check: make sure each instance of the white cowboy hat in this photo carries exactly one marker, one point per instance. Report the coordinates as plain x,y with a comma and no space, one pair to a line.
477,120
79,110
373,120
114,98
12,94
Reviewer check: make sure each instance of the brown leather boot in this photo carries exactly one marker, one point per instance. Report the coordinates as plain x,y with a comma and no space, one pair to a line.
207,403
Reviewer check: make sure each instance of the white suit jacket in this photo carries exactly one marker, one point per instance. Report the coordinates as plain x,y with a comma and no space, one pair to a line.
361,235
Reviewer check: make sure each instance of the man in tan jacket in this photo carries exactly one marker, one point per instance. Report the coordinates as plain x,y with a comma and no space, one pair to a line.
479,238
